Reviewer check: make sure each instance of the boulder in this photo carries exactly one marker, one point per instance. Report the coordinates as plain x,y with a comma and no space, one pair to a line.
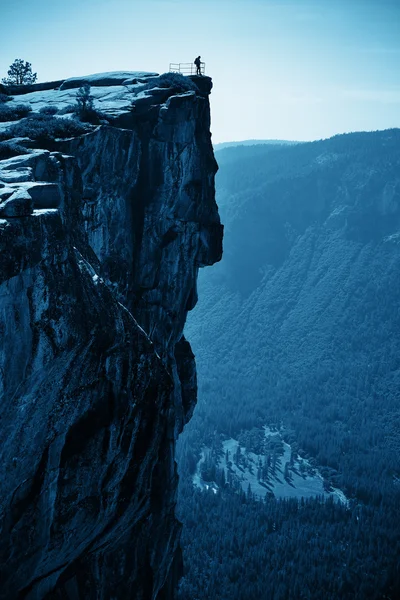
19,204
45,195
16,175
203,82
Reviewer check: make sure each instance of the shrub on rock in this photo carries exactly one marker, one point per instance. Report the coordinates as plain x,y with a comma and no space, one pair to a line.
13,113
10,149
177,82
5,98
70,109
84,100
46,128
84,108
48,110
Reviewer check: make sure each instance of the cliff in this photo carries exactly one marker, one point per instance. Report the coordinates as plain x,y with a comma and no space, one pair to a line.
101,239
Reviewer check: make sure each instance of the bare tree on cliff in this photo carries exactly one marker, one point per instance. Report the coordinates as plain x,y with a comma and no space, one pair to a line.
20,73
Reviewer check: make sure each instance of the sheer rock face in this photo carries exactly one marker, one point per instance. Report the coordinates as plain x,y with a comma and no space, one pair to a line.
100,246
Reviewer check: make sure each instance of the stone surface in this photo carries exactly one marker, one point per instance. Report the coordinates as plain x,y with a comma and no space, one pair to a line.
113,94
96,378
106,79
19,204
18,90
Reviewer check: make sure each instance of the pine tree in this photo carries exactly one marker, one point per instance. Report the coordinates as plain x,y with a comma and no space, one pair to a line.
249,494
20,73
222,479
286,471
84,100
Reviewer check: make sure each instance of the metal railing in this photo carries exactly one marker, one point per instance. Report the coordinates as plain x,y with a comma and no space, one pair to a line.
187,68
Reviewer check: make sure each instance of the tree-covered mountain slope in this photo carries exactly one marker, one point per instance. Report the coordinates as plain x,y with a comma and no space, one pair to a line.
300,321
299,327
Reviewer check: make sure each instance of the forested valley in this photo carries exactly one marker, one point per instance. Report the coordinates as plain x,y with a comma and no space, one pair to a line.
297,332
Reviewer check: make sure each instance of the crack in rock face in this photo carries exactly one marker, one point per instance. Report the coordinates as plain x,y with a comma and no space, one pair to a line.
101,239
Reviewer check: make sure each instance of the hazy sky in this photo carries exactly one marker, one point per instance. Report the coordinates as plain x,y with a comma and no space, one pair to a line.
300,69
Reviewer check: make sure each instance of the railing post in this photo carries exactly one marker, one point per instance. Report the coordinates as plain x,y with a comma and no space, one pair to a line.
186,68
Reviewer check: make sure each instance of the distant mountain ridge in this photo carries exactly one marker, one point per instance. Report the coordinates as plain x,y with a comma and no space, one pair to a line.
223,145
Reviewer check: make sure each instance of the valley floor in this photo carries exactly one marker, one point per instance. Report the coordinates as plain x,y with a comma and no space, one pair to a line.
284,475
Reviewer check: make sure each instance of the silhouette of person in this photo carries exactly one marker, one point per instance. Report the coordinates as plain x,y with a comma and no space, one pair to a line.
197,62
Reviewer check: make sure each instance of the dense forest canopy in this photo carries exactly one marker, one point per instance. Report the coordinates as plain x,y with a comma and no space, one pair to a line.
298,328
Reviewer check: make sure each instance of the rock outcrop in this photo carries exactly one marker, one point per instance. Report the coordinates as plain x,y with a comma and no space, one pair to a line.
101,239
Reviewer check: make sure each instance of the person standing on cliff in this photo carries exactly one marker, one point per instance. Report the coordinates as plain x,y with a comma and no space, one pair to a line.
197,62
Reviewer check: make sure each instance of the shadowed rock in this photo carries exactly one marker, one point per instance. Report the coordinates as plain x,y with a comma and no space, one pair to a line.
19,204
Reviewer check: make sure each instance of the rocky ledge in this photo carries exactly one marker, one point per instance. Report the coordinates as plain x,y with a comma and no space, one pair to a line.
101,238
